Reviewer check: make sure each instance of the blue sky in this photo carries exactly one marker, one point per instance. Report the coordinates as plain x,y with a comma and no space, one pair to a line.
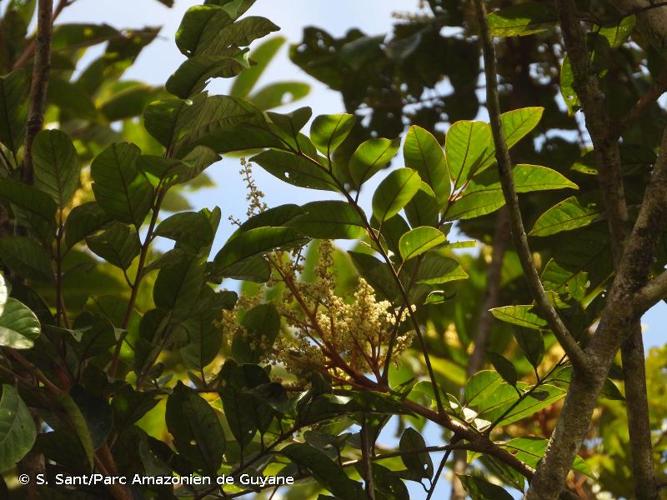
161,59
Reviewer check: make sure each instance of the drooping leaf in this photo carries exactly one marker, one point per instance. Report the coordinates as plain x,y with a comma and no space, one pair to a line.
279,94
370,157
423,153
256,242
418,463
17,428
530,450
26,257
178,285
419,240
120,188
190,229
329,131
394,192
481,489
196,429
295,170
484,193
260,57
83,221
519,315
329,220
569,214
467,144
504,367
40,207
523,19
324,470
56,165
118,245
19,326
13,109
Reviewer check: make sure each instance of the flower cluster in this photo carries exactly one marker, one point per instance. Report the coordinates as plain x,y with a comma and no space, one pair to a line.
347,338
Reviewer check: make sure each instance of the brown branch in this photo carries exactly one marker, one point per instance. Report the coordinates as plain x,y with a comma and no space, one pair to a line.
39,85
652,293
607,153
568,342
639,425
615,325
29,50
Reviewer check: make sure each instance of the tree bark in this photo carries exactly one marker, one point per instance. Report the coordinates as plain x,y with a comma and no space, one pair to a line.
639,426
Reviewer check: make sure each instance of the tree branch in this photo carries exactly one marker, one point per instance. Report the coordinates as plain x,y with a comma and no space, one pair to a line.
652,293
40,82
568,342
615,325
610,177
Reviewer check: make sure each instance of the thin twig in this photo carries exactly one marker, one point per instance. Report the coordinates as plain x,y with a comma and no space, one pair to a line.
568,342
39,85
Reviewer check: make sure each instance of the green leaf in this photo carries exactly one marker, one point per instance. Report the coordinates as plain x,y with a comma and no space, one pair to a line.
83,221
295,170
197,432
618,33
329,131
324,470
370,157
56,165
161,119
484,193
254,242
13,109
261,324
481,489
17,428
566,215
199,27
423,209
261,57
279,94
19,326
437,269
419,240
530,450
190,229
26,257
329,220
127,100
203,344
492,398
467,144
521,20
504,367
519,315
178,285
394,192
423,153
31,200
420,463
96,412
79,427
567,86
120,188
118,245
193,75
